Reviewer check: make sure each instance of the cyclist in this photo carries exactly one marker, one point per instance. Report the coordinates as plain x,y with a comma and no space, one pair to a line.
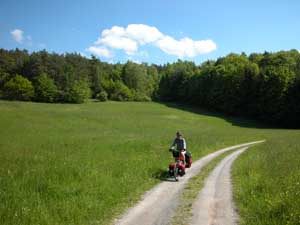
180,144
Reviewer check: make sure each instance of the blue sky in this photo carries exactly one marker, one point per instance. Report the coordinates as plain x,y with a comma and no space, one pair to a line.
157,31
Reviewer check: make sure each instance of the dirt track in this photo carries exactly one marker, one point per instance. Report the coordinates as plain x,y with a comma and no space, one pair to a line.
214,205
157,205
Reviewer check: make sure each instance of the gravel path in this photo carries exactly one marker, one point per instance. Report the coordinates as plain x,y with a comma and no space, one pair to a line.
214,205
157,206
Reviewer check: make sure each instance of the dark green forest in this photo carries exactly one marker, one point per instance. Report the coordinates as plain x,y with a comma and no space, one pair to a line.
264,86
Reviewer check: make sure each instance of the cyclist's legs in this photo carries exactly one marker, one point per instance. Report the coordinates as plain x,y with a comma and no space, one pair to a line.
183,155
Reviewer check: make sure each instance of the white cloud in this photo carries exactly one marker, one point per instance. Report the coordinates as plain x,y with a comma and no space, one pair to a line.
114,31
116,42
129,38
116,38
100,51
185,47
17,35
143,33
140,33
134,35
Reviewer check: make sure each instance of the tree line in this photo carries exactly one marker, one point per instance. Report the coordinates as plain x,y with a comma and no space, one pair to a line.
71,78
262,86
265,86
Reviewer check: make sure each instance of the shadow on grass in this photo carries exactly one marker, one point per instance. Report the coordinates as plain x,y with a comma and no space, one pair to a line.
163,175
234,120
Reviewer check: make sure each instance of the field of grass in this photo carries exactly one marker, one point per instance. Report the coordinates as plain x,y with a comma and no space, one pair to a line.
85,164
267,182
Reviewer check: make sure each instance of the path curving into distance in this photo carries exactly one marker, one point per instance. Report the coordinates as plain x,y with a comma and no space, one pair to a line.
158,205
214,205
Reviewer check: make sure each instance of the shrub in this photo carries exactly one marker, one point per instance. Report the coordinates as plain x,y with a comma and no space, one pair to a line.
45,89
18,88
139,97
102,96
118,91
78,92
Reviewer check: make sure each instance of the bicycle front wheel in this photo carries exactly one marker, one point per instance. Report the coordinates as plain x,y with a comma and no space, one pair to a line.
176,173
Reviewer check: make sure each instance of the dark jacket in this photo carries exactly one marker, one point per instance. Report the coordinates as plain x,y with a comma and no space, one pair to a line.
180,144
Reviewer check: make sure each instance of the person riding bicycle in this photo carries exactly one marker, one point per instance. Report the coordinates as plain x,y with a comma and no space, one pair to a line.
180,144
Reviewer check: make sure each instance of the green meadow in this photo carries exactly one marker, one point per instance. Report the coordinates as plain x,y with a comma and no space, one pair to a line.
87,163
267,182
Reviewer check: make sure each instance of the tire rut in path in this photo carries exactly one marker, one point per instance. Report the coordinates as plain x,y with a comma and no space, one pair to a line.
158,205
214,204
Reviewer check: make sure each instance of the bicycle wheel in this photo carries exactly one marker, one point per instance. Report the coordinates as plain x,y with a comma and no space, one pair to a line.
176,173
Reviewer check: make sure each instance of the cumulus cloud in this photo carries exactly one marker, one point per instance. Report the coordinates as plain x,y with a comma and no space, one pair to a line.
143,34
134,35
117,42
100,51
129,38
185,47
17,35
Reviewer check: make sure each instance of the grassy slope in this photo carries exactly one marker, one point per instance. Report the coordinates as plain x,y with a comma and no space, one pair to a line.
83,164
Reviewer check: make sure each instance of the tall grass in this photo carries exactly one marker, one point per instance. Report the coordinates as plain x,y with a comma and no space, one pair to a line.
85,164
267,182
